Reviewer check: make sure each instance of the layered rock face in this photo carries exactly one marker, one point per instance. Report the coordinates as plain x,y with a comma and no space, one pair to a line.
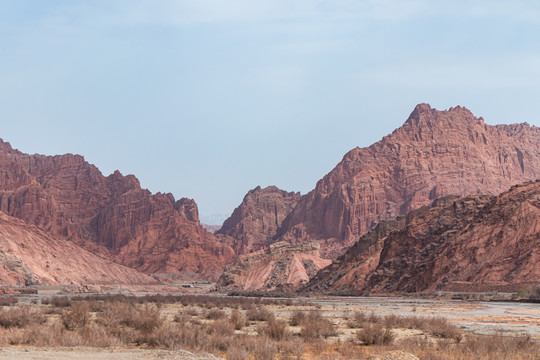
434,154
70,199
29,256
281,266
477,243
254,223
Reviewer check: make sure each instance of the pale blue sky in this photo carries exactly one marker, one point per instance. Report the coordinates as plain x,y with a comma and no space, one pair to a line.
207,99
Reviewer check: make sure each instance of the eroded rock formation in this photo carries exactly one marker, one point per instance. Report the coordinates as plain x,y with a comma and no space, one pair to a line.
281,266
434,154
70,199
28,256
254,223
476,243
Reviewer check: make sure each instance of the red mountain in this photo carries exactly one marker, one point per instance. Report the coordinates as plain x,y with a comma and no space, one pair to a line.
435,153
477,243
70,199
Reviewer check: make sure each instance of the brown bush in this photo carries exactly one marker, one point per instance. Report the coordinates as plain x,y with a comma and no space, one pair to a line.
276,330
237,319
316,326
8,300
264,349
147,320
440,327
358,320
20,317
237,353
221,327
215,314
181,317
77,316
60,301
116,314
375,334
259,314
297,318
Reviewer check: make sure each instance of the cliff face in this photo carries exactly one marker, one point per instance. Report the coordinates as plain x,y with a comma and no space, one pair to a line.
477,243
434,154
70,199
29,256
254,223
281,266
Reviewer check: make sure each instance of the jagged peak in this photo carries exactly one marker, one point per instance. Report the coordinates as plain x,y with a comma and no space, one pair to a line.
425,113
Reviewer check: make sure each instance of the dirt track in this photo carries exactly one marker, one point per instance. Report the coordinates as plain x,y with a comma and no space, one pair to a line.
93,354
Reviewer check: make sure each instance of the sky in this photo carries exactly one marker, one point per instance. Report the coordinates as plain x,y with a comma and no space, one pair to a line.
207,99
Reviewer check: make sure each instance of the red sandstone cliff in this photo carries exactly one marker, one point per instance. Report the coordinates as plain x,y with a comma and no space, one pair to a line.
70,199
435,153
477,243
29,256
254,223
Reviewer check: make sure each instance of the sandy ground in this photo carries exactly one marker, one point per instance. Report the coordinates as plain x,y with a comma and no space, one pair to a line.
479,317
93,354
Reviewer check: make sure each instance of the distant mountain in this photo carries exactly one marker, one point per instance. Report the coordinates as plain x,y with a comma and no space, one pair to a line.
70,199
214,219
434,154
28,256
255,222
476,243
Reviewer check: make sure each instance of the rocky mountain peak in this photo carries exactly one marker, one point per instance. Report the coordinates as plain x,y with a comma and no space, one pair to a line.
435,153
254,223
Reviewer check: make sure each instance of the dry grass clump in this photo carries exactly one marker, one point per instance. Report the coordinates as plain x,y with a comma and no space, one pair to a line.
215,314
20,317
316,326
436,326
276,330
8,300
259,314
297,318
237,319
77,316
60,301
497,343
375,334
358,320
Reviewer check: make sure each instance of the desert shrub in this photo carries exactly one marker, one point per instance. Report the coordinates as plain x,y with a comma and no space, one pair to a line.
297,318
237,353
237,319
181,317
20,317
375,334
221,327
147,319
358,320
290,348
276,330
8,300
259,314
374,319
116,314
315,326
97,336
440,327
215,314
264,349
60,301
499,344
77,316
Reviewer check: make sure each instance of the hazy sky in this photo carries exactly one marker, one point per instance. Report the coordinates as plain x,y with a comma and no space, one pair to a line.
207,99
